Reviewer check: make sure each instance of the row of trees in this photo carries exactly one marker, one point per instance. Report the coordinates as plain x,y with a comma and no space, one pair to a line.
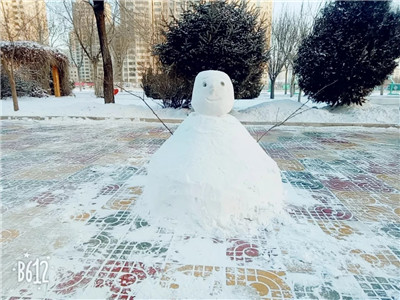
339,55
346,39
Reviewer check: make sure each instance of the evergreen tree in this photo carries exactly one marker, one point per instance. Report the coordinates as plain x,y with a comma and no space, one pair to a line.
352,49
217,36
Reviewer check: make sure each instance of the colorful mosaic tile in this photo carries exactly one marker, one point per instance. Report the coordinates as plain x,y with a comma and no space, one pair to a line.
379,287
338,230
123,198
117,219
303,180
8,235
321,213
268,284
72,204
241,250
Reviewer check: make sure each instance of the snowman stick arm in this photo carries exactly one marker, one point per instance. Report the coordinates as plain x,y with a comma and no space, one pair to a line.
296,112
142,98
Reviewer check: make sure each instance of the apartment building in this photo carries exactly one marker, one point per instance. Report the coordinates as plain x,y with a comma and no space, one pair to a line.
144,17
24,20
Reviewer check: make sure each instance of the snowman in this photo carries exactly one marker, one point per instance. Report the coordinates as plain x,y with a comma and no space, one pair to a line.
211,176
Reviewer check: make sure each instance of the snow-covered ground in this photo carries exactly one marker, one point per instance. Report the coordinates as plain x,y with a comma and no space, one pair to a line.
378,110
70,196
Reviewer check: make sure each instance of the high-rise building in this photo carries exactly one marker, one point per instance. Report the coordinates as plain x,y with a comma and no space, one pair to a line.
24,20
144,17
80,65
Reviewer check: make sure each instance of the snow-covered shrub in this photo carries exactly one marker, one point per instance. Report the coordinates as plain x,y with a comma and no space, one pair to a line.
24,87
173,91
217,36
38,92
352,49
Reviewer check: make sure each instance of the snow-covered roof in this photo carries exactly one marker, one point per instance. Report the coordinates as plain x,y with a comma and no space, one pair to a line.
31,53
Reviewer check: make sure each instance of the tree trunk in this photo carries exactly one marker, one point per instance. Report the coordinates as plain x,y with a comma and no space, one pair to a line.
286,72
119,71
108,82
79,78
299,98
97,88
272,94
292,88
10,73
382,89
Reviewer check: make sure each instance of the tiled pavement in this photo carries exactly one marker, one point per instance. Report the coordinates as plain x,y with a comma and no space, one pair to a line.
68,196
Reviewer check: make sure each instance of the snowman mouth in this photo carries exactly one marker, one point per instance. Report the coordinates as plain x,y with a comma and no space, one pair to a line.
212,99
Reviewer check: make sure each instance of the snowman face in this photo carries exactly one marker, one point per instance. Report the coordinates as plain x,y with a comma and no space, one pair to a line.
212,93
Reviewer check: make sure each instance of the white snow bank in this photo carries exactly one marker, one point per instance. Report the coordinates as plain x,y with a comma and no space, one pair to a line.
85,104
279,110
378,110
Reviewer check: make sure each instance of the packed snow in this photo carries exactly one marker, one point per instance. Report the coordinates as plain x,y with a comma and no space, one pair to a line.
211,175
377,110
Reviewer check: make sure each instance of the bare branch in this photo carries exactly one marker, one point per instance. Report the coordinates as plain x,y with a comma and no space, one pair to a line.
142,98
296,112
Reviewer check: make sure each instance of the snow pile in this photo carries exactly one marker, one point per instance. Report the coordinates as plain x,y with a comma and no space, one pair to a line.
275,111
87,105
367,113
211,176
279,110
377,110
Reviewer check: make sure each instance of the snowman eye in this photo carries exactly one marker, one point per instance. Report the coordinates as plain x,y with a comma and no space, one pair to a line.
204,84
222,83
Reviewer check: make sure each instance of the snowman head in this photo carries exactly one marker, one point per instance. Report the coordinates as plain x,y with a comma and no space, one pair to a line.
212,93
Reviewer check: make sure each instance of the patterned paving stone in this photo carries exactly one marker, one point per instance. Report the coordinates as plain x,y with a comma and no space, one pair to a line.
68,198
322,213
303,180
378,287
269,284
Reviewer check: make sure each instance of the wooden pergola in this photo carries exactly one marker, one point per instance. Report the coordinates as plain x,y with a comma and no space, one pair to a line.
36,58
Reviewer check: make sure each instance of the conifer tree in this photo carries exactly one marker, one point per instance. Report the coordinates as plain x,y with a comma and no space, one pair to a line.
352,49
217,36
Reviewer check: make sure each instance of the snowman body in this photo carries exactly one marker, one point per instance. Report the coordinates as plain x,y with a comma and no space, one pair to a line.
211,175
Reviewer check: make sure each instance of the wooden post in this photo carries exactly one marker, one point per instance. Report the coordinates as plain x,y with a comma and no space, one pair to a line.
56,81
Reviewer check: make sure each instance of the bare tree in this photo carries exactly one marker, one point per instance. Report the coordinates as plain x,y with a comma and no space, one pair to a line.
120,46
8,65
76,58
123,39
108,82
283,36
57,28
13,33
83,24
288,31
303,22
